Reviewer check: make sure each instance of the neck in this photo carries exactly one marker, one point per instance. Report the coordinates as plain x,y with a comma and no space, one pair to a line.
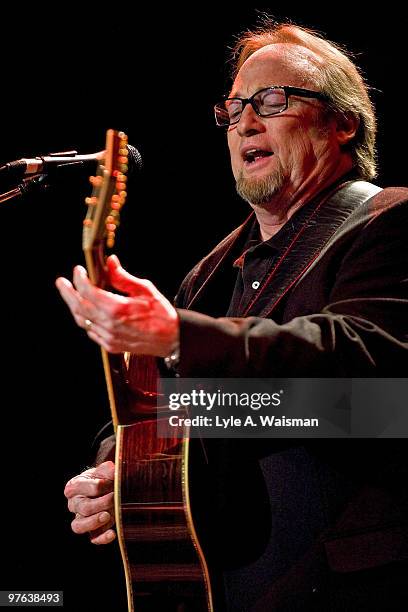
283,205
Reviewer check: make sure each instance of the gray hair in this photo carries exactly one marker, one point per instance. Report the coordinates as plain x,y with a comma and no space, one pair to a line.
336,76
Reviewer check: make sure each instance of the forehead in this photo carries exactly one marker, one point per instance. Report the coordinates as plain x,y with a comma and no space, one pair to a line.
277,64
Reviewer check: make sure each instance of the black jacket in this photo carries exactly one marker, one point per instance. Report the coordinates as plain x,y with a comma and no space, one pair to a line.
346,315
336,537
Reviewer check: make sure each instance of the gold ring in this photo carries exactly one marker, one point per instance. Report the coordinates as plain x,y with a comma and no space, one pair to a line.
88,324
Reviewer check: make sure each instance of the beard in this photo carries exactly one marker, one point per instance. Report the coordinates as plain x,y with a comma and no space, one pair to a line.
260,191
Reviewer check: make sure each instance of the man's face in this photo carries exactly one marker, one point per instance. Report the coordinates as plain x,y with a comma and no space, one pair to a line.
294,147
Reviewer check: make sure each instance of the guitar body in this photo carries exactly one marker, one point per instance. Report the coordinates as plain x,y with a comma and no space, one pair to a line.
164,565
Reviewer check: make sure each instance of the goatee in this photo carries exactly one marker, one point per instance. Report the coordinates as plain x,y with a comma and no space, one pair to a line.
260,191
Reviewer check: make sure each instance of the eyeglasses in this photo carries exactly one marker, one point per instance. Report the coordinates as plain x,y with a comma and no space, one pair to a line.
265,102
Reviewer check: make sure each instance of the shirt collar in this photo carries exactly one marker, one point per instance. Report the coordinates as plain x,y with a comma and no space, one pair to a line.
283,237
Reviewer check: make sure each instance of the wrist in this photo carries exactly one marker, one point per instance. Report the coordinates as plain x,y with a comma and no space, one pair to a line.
172,360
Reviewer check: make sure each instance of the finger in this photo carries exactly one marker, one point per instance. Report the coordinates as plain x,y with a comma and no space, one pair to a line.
83,524
82,283
119,337
100,478
106,537
114,348
67,291
89,487
113,344
146,346
105,470
80,309
62,282
108,333
87,506
105,301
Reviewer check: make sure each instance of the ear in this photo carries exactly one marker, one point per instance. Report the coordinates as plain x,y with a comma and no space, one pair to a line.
346,127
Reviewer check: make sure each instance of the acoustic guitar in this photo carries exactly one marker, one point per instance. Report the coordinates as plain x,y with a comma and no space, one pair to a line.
164,565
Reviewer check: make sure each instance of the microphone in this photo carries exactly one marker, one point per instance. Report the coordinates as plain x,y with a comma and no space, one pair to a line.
26,167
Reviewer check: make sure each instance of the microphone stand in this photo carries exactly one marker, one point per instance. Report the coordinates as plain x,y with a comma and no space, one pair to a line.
26,186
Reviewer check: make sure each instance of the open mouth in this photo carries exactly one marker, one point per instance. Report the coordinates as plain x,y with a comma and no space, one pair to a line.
253,155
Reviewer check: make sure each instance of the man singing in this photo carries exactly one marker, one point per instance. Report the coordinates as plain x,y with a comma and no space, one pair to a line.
313,284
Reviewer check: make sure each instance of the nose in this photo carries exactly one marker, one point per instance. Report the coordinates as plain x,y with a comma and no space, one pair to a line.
250,123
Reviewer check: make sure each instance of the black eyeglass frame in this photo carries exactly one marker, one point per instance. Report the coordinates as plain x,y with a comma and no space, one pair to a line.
289,91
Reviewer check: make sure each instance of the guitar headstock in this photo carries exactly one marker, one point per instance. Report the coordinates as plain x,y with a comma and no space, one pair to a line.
108,197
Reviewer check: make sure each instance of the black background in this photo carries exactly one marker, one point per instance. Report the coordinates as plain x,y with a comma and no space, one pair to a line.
67,76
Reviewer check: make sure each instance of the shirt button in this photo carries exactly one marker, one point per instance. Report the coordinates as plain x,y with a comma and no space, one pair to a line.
255,284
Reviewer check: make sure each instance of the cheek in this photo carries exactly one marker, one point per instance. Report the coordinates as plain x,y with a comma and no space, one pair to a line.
235,156
299,152
295,139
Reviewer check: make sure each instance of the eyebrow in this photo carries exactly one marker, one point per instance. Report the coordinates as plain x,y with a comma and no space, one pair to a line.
237,94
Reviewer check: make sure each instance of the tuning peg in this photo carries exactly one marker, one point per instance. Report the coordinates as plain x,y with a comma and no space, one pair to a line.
118,200
110,240
96,181
92,201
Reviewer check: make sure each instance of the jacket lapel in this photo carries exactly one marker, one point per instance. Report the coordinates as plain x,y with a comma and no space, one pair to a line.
309,244
211,269
312,237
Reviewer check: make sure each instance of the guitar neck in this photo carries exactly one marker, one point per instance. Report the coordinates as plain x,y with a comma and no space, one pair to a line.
108,196
114,365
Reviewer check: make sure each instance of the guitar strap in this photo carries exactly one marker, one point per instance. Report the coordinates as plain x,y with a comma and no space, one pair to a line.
309,243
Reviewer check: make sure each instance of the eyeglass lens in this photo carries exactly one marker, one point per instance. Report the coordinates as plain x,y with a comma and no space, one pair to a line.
266,102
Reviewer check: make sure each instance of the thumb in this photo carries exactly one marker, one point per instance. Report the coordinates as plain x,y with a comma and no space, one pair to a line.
105,470
118,277
123,281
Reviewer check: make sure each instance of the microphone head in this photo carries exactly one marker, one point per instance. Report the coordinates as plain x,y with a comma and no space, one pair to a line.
134,159
55,162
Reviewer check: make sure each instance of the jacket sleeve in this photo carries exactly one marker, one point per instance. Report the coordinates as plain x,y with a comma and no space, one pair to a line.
362,331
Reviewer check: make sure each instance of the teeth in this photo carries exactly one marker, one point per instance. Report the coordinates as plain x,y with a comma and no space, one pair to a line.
252,154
